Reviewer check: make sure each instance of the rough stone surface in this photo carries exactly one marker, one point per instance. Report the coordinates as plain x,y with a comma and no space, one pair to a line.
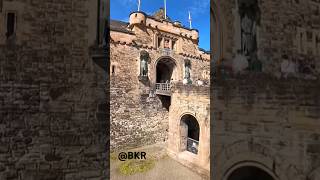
139,115
264,119
52,94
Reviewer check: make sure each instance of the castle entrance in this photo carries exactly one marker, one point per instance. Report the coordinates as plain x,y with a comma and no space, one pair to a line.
249,173
190,131
165,72
165,69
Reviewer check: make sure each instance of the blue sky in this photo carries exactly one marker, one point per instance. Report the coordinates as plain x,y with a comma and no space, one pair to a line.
176,10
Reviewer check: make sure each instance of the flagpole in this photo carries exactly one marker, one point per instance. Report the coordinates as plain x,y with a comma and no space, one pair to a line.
139,3
165,9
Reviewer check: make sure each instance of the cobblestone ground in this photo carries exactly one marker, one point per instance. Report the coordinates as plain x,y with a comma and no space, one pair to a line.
165,168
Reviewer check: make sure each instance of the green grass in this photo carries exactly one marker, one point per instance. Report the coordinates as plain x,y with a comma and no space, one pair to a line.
136,166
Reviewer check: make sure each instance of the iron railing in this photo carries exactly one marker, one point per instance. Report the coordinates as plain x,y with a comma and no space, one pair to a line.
192,145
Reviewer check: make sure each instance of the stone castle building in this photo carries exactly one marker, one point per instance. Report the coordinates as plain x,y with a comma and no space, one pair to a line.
265,90
159,83
52,90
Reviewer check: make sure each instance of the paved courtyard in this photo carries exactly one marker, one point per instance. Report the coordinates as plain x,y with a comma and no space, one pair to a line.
164,168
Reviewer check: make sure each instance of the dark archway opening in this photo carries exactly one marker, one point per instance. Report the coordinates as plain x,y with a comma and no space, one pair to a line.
165,69
190,132
164,75
250,173
166,101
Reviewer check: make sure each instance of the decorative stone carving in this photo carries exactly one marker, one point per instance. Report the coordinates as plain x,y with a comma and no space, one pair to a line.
249,19
248,33
187,71
166,43
144,57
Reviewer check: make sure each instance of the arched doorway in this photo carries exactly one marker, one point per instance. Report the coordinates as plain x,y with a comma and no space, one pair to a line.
165,70
165,73
249,173
190,132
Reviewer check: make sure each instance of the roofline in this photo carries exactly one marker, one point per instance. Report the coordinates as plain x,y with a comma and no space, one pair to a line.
149,16
131,33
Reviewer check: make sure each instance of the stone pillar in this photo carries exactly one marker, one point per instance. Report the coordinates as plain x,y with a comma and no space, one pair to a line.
174,131
204,148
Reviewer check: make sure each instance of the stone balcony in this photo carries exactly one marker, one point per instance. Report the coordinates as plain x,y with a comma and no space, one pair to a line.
163,89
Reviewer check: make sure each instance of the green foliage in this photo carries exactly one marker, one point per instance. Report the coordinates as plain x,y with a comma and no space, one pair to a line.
136,166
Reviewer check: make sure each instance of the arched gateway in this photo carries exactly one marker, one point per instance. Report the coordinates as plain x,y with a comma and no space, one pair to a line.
249,173
190,132
166,71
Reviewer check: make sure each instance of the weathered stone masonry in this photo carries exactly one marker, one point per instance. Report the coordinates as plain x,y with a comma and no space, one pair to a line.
190,100
268,123
138,116
52,94
266,120
160,88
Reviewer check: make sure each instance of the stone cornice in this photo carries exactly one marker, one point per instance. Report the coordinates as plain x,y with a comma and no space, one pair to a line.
150,47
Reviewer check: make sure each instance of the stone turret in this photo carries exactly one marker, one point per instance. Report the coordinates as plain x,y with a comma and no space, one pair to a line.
137,18
195,34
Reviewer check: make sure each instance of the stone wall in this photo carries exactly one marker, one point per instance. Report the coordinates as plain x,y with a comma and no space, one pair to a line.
288,30
52,94
190,100
137,118
264,119
271,123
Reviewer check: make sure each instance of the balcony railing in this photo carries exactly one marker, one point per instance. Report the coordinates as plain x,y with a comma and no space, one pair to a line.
192,145
163,89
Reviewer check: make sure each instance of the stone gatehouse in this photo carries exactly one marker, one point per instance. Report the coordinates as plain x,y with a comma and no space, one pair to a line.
159,82
265,90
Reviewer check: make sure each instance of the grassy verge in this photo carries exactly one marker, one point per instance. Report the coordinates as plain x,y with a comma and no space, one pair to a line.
136,166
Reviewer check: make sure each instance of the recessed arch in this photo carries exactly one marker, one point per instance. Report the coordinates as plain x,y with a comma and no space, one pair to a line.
249,170
165,69
190,133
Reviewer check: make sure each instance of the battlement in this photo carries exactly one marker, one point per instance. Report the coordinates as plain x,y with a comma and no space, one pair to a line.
139,18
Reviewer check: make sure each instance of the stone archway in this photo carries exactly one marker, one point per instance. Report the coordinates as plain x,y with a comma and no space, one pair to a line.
190,133
249,173
165,70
